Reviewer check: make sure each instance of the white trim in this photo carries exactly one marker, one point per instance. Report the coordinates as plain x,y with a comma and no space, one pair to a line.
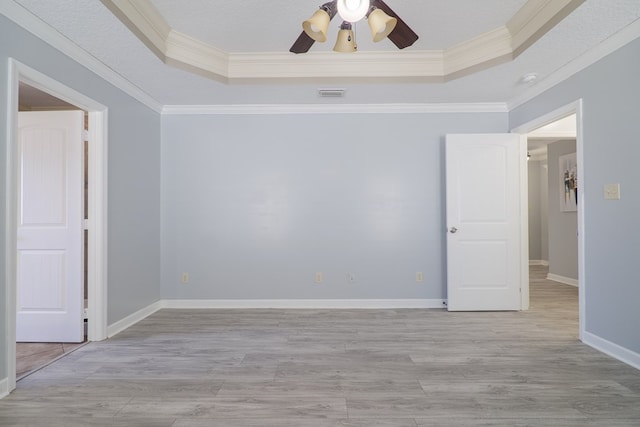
482,51
557,114
98,236
29,22
610,45
524,225
132,319
487,107
97,261
141,16
305,303
46,33
10,226
562,279
424,66
538,262
612,349
4,387
535,18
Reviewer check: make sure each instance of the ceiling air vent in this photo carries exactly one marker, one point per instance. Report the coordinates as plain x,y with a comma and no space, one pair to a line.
331,93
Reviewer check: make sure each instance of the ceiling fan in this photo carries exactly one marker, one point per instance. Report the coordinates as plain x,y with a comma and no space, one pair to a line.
383,21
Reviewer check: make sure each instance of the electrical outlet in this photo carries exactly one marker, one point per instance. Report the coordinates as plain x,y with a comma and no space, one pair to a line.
185,278
419,277
319,277
351,277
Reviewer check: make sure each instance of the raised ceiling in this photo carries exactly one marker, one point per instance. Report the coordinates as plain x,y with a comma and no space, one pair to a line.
493,31
500,40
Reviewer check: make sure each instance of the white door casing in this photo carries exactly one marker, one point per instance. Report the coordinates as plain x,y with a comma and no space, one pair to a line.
50,298
97,258
484,221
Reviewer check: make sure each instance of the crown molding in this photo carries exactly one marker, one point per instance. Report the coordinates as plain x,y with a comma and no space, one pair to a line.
273,109
32,24
181,48
533,20
144,20
46,33
477,51
610,45
314,65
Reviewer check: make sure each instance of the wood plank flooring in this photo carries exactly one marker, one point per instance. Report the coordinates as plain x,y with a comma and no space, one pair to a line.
33,356
378,368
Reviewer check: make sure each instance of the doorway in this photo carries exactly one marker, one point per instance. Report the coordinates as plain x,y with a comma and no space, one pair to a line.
553,184
96,203
573,110
48,325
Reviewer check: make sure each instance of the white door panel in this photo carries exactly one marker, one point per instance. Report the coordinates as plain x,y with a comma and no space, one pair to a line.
50,273
483,222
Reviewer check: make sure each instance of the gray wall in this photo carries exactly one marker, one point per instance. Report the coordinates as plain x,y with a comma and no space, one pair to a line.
544,210
610,91
254,205
563,226
535,213
134,176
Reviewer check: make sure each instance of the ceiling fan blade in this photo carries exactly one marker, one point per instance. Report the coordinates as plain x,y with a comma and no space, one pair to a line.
402,36
303,43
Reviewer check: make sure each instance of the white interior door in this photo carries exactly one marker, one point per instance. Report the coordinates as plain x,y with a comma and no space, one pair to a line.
50,223
484,252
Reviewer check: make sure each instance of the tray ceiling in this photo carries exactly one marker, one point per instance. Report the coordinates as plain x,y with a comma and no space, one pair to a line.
251,63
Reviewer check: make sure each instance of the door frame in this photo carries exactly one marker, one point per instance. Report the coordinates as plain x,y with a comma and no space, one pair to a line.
97,203
557,114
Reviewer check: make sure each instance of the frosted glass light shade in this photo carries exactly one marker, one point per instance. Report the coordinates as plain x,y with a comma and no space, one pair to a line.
381,24
353,10
316,26
346,41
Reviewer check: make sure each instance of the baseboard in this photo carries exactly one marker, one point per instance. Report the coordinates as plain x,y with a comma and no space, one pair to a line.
132,319
305,303
543,262
562,279
4,388
614,350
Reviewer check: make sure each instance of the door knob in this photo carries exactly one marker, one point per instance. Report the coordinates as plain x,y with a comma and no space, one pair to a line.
452,230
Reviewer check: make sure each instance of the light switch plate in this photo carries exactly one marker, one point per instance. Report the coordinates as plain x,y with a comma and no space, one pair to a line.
612,191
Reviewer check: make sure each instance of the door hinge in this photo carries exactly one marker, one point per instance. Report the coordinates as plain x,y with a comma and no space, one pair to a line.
85,224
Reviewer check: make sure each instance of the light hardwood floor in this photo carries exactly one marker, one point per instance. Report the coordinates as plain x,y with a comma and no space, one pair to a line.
33,356
338,368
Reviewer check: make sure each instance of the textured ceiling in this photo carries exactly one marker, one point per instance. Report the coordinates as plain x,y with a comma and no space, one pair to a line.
91,26
272,26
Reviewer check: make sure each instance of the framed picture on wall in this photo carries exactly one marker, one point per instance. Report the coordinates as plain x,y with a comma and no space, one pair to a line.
568,183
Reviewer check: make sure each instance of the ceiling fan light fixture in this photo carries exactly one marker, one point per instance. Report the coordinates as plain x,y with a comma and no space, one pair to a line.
353,10
381,24
316,26
346,40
